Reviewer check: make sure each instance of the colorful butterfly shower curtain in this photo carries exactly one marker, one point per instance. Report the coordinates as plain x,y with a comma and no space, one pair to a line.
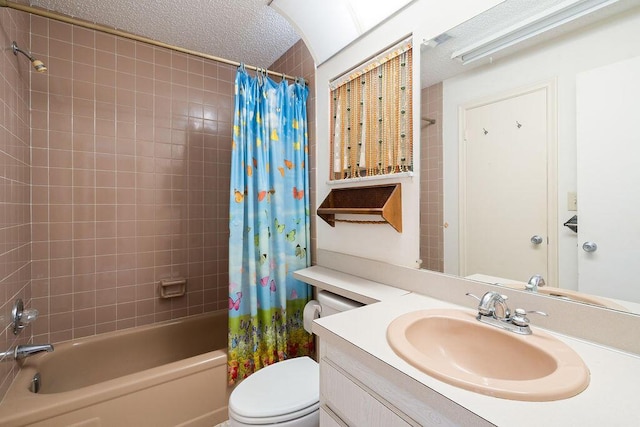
268,224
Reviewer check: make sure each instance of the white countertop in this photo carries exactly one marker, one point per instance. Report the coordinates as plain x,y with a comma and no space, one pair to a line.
347,285
611,399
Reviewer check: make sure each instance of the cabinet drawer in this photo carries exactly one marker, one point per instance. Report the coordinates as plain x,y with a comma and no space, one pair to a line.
329,419
352,403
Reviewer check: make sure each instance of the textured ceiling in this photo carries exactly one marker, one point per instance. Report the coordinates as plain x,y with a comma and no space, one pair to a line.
246,31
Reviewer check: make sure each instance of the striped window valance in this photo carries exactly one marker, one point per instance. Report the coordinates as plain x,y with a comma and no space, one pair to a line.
371,117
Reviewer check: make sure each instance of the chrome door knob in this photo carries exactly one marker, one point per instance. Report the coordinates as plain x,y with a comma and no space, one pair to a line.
589,246
536,240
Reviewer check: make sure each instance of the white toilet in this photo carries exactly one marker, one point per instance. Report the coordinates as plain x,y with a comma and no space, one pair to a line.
287,393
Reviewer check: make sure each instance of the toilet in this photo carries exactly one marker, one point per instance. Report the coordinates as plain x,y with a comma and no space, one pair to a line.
287,393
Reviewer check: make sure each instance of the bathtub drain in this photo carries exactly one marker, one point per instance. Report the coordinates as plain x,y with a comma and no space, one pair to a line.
35,383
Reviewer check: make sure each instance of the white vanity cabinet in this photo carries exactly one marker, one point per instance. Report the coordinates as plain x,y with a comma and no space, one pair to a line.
363,382
347,401
357,389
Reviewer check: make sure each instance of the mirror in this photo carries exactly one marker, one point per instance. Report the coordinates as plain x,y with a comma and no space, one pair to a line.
557,64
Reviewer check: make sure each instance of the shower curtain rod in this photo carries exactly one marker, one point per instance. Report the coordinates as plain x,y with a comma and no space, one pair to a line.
92,26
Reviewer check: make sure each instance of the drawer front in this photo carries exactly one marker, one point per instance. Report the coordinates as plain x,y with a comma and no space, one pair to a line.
329,419
352,403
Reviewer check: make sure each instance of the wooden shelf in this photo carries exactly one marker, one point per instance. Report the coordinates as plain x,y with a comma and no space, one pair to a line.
382,200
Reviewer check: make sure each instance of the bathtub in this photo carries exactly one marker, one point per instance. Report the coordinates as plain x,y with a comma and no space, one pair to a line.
168,374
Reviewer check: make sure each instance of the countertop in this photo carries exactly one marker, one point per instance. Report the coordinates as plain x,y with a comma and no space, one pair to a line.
611,398
347,285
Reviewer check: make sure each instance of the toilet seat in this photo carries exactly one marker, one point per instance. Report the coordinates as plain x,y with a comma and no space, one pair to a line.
279,420
281,392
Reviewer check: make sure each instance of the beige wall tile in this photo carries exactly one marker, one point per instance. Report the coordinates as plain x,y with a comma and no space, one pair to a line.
129,180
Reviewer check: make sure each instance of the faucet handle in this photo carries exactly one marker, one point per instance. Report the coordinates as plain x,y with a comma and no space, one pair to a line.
469,294
520,316
492,293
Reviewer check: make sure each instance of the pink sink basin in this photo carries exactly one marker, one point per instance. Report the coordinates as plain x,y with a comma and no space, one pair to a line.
454,347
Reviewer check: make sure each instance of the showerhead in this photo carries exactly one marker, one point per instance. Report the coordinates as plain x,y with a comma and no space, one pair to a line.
37,64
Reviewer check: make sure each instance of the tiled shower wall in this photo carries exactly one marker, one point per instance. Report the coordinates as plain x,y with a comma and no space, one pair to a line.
129,173
431,181
131,150
130,177
15,233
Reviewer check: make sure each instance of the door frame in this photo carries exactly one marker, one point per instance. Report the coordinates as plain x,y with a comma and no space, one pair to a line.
550,88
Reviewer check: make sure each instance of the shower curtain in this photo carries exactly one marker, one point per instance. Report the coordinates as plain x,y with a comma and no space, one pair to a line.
268,224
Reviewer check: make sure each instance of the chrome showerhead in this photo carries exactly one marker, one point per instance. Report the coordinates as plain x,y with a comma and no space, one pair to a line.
37,64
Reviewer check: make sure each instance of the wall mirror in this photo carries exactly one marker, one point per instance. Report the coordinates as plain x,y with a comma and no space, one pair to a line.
527,148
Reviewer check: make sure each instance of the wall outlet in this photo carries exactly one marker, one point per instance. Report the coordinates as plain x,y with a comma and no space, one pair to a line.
572,201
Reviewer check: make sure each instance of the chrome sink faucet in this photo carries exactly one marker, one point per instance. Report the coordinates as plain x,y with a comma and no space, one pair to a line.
501,317
488,302
535,282
24,351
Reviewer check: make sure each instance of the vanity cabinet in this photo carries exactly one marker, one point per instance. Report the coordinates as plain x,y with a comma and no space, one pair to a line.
357,389
353,403
363,382
329,419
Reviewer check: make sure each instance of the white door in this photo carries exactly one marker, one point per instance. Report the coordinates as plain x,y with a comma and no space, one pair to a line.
608,173
504,195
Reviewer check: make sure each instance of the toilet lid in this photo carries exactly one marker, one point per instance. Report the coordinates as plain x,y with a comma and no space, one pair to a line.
282,391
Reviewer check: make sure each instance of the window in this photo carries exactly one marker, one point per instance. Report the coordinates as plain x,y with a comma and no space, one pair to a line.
371,117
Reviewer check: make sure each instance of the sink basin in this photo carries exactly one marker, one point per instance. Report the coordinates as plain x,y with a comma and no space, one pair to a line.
581,297
454,347
566,294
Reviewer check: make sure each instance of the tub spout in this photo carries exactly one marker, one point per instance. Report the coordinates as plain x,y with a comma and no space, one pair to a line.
23,351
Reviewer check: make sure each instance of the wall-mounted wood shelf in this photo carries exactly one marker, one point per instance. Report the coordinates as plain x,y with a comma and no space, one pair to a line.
382,200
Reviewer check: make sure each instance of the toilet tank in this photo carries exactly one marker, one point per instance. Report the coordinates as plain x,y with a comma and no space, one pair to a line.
332,303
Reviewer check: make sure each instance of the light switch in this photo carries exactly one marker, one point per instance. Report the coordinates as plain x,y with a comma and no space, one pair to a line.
572,201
